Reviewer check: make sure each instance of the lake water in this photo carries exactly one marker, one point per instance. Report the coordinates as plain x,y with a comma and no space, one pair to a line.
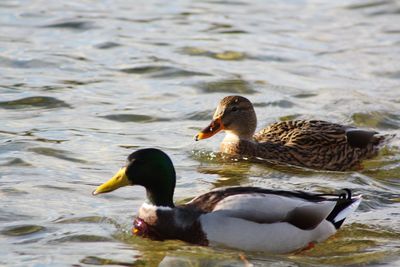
84,83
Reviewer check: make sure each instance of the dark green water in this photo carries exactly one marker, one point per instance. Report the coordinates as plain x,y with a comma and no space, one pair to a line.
84,83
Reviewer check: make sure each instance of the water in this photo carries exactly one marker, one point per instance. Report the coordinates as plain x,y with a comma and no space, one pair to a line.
84,83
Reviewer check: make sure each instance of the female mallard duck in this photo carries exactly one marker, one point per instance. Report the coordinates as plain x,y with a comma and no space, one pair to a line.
246,218
313,144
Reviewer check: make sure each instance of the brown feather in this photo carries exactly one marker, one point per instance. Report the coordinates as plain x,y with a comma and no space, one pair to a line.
313,144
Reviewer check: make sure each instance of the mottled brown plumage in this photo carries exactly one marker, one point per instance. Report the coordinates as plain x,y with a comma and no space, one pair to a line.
308,143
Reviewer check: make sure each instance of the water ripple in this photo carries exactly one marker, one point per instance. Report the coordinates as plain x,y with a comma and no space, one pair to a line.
133,118
162,72
56,153
389,74
107,45
80,238
11,216
200,115
225,55
234,86
85,219
381,120
282,103
22,230
72,25
25,63
17,162
369,4
95,260
45,102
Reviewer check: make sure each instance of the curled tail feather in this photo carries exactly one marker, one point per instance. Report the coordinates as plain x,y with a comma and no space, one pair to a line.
345,206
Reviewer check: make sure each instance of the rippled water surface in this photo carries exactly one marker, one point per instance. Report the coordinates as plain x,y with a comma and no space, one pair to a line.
84,83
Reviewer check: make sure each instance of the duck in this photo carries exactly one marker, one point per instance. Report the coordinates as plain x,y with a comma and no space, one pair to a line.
313,144
241,217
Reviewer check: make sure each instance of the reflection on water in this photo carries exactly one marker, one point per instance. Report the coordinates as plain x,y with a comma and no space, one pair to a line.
377,120
83,83
162,72
22,230
133,118
225,55
227,170
35,101
355,244
233,86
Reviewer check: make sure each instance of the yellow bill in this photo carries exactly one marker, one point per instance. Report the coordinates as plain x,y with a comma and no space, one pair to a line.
118,180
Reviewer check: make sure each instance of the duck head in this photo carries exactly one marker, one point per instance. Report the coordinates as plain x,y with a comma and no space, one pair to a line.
150,168
235,115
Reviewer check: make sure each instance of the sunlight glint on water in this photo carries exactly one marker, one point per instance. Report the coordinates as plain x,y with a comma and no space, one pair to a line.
83,83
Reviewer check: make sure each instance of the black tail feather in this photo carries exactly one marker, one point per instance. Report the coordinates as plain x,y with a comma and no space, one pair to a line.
345,201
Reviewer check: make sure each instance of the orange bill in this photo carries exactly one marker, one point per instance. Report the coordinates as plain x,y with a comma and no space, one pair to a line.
214,127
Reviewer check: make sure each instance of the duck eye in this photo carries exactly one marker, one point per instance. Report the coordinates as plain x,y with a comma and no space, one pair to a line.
234,109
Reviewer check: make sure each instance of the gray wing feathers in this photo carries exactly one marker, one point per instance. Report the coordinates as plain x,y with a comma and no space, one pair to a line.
262,208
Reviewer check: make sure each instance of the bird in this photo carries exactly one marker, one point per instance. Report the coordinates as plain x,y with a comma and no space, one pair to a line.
313,144
242,217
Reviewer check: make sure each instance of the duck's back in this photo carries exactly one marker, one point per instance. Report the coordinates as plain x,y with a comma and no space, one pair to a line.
318,144
258,219
293,132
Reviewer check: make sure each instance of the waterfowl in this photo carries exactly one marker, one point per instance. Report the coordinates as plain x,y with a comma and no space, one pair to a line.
245,218
313,144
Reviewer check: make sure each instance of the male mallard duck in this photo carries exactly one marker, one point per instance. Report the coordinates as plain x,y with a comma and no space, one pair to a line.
313,144
246,218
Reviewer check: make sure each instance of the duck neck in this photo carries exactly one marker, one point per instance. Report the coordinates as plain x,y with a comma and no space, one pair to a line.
160,192
238,144
160,198
231,136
